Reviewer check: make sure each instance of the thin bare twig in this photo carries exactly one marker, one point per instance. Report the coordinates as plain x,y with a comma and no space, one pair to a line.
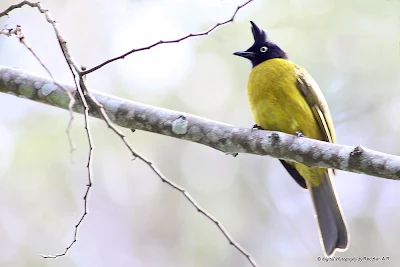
90,178
20,35
73,68
135,154
167,42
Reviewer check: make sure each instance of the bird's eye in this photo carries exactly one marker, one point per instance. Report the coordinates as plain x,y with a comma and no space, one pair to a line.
263,49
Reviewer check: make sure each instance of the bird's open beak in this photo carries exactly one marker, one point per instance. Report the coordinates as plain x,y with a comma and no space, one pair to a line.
245,54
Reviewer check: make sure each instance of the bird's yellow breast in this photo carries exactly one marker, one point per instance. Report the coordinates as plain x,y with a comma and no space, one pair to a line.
275,101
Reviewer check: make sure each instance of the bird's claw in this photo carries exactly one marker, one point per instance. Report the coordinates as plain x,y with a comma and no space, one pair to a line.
299,134
257,127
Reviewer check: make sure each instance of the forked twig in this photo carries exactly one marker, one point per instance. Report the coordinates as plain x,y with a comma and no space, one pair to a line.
73,68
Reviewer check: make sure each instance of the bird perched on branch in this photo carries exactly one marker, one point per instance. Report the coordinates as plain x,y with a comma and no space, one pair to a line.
284,97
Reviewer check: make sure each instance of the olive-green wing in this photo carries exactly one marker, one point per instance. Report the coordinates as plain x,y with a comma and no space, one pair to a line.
317,103
315,99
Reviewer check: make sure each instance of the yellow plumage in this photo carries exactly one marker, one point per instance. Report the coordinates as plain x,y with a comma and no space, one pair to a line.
277,105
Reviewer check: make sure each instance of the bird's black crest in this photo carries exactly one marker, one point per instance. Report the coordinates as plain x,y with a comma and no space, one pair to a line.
258,34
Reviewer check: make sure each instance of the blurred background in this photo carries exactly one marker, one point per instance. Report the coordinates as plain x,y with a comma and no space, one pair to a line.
350,47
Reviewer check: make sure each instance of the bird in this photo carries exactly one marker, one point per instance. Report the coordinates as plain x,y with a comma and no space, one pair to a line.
284,97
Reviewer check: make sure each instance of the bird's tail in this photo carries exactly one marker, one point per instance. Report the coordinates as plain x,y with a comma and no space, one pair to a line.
332,226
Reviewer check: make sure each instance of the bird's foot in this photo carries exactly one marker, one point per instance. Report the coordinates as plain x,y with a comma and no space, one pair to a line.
299,134
257,127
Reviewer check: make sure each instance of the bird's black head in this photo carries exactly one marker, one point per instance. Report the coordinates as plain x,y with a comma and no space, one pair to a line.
262,49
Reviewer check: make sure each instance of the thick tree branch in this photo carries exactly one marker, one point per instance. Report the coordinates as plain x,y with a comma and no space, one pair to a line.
217,135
